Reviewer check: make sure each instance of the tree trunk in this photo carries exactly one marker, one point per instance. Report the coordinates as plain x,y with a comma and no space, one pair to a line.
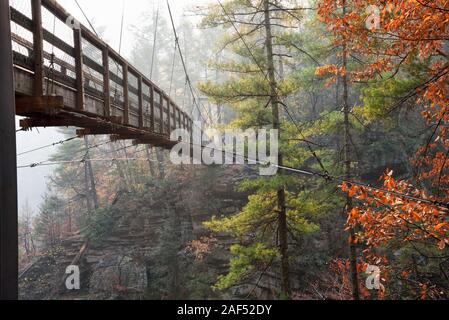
160,161
348,171
129,169
282,218
87,189
120,170
90,173
150,163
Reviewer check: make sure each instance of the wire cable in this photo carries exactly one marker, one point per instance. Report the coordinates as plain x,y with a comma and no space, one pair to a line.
195,102
48,146
305,172
85,16
154,40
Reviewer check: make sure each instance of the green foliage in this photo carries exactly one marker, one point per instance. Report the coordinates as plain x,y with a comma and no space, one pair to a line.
379,98
48,224
384,95
244,262
101,223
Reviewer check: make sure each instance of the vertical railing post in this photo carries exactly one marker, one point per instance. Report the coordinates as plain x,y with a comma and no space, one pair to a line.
106,83
175,117
125,93
153,120
169,115
77,39
8,162
140,97
183,120
161,110
38,47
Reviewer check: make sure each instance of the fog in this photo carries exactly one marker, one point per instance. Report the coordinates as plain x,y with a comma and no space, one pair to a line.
105,15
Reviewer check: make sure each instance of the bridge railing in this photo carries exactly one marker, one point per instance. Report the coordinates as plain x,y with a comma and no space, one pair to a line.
64,58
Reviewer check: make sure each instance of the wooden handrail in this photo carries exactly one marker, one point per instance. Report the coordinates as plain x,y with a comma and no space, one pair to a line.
174,113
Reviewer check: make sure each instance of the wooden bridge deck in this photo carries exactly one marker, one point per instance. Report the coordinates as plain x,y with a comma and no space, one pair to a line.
66,76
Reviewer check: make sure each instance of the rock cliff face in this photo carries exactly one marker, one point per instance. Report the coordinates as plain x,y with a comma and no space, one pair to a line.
145,253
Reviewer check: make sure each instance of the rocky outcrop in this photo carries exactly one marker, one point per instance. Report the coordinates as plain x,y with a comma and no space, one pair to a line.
145,254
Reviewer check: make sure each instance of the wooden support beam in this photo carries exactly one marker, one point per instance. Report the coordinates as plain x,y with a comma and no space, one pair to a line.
38,47
140,98
116,119
79,69
125,94
93,131
110,129
153,120
172,117
106,83
161,110
158,142
55,122
9,251
96,131
129,136
49,105
169,106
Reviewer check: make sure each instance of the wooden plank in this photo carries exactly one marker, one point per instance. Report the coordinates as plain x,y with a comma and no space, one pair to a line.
21,19
79,69
38,47
42,104
125,94
93,64
58,43
106,83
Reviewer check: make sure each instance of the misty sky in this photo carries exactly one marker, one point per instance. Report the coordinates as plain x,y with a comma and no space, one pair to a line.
105,14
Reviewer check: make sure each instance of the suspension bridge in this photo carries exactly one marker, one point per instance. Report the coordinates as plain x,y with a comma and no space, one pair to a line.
65,75
55,72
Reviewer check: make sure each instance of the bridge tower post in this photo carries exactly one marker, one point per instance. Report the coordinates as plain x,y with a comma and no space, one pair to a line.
8,163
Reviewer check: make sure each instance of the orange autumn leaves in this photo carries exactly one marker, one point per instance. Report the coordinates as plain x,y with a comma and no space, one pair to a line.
406,31
384,216
332,71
